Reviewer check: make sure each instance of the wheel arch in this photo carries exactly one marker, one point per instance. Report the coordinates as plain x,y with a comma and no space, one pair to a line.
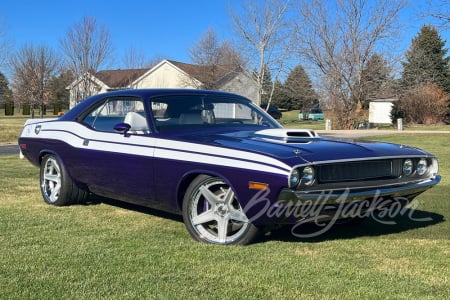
45,152
189,177
48,152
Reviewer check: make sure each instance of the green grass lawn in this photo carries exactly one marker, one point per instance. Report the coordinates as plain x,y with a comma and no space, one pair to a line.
10,128
290,120
106,250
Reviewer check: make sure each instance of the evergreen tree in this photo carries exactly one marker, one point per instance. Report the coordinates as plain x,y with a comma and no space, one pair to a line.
375,80
3,84
396,112
280,97
59,94
299,90
426,60
6,95
266,85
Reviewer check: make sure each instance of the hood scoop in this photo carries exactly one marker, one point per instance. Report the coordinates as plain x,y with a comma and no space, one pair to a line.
286,135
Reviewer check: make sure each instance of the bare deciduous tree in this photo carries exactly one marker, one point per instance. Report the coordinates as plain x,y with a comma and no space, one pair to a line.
264,30
210,51
33,67
207,50
134,59
87,47
5,43
213,55
439,10
338,39
230,55
155,60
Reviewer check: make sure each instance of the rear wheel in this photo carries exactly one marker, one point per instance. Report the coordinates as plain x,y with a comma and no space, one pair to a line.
57,187
212,214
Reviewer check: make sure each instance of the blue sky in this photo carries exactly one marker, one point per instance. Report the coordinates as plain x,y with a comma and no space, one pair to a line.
160,28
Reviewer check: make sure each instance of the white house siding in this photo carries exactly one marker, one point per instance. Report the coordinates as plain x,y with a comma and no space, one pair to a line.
76,90
380,112
165,76
168,75
242,85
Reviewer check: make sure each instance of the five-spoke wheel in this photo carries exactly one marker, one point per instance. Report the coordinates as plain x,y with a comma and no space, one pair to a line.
212,213
56,185
51,180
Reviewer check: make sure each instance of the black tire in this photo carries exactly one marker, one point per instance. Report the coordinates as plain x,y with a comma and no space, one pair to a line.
212,214
57,187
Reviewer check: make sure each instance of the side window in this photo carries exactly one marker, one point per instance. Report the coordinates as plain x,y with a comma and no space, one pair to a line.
113,111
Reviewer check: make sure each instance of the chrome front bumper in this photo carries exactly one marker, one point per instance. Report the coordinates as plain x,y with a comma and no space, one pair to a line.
353,194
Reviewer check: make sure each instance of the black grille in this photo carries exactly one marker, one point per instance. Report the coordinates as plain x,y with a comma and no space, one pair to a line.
360,170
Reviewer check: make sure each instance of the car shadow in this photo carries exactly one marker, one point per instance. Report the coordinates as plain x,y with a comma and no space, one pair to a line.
312,233
309,232
95,200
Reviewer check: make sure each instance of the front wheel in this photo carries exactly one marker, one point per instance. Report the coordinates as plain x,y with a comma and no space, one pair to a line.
57,187
212,214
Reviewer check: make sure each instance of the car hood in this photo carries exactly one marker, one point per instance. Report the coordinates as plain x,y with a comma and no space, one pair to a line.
303,146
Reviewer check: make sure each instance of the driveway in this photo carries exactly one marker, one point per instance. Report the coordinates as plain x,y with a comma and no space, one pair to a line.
7,149
373,132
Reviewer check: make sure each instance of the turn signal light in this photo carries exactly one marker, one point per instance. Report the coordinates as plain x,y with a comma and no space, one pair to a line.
257,185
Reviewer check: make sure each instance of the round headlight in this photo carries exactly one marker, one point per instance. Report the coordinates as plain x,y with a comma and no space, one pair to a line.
308,176
422,167
407,167
295,178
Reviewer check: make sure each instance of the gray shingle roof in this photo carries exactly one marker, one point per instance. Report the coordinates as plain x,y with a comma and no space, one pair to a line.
119,78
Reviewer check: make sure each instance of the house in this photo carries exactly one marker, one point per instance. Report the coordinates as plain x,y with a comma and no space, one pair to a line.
101,82
380,110
166,74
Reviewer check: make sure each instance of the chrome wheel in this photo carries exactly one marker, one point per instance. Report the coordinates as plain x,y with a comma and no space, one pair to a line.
57,187
212,213
51,180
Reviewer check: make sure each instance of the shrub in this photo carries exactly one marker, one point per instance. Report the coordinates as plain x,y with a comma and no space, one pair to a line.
26,109
9,108
424,104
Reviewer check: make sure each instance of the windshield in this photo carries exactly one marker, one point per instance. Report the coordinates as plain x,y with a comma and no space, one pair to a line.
188,111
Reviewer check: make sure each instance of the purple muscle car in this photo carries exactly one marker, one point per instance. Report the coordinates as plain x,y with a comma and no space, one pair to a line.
218,159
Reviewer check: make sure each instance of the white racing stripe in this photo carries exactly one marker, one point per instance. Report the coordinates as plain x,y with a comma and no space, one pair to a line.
75,135
214,160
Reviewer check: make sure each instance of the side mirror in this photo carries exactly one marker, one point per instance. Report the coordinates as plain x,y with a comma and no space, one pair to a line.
123,128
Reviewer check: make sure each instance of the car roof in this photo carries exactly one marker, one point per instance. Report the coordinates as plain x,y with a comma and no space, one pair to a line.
144,93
